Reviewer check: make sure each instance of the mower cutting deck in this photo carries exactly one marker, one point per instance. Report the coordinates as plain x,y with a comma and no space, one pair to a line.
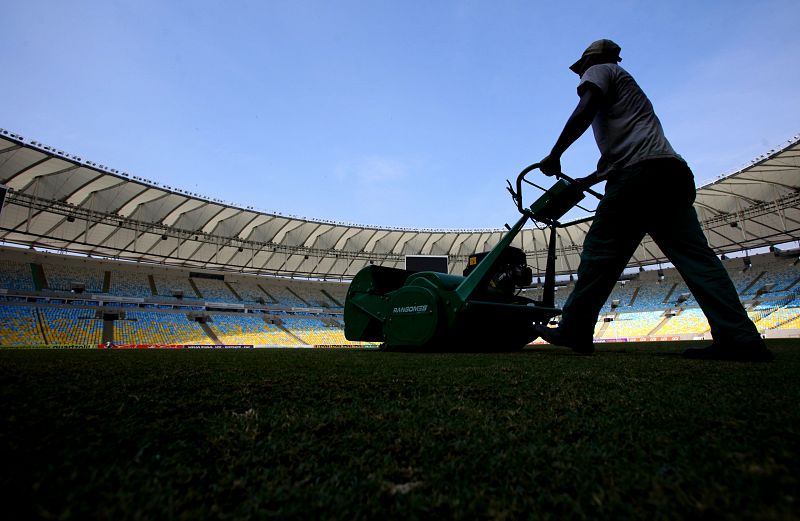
481,311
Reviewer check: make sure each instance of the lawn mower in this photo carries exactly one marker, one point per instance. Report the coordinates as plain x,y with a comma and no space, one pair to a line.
479,311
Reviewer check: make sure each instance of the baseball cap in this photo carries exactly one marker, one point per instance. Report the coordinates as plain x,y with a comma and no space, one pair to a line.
597,47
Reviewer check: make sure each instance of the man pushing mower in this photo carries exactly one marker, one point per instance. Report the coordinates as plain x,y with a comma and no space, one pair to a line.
635,158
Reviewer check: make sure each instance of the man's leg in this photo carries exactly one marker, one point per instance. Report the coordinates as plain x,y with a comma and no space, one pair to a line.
597,276
681,238
607,248
683,242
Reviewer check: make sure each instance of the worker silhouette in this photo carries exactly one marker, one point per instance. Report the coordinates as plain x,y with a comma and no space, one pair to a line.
649,190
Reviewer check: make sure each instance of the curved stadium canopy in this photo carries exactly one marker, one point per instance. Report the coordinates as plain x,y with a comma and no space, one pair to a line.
60,202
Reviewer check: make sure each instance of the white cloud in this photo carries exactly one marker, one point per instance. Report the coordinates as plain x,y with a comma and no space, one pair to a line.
373,170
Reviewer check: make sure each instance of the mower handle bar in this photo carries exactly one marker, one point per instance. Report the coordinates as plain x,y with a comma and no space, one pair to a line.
517,196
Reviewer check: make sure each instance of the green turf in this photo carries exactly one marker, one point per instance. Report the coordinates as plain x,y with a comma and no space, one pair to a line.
633,432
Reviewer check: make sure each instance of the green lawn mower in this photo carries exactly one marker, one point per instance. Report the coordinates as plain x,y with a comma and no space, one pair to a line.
479,311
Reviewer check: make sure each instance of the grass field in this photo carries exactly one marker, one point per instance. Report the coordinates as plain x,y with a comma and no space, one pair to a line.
631,432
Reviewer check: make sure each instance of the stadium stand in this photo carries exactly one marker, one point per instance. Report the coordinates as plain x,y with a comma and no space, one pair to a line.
19,325
337,294
16,276
314,331
71,326
251,292
620,298
314,296
650,293
792,323
283,295
769,317
212,290
689,321
776,278
126,283
637,324
161,305
562,293
63,277
145,327
171,285
250,330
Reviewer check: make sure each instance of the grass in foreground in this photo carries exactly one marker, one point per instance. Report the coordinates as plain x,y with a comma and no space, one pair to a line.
345,434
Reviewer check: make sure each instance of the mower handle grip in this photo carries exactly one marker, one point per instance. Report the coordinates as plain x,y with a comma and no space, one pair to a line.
517,196
528,169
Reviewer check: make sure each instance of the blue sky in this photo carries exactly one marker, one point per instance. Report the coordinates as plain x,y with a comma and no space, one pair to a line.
407,114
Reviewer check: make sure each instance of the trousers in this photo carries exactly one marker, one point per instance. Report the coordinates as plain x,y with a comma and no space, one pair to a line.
653,197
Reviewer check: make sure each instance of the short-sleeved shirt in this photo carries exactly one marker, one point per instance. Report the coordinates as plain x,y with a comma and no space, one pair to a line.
626,128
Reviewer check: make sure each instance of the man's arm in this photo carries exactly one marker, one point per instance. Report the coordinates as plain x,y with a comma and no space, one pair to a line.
578,122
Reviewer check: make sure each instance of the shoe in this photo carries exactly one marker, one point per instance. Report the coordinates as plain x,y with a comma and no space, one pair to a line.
753,351
557,336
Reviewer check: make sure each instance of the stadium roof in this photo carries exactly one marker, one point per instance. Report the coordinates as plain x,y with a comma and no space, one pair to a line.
61,202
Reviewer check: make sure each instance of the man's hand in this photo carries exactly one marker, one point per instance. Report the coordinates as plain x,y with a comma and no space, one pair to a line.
589,180
550,165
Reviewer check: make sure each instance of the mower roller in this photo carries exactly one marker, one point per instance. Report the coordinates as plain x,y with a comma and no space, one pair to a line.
480,311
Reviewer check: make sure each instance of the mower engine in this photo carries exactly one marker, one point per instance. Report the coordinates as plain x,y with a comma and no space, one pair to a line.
511,272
